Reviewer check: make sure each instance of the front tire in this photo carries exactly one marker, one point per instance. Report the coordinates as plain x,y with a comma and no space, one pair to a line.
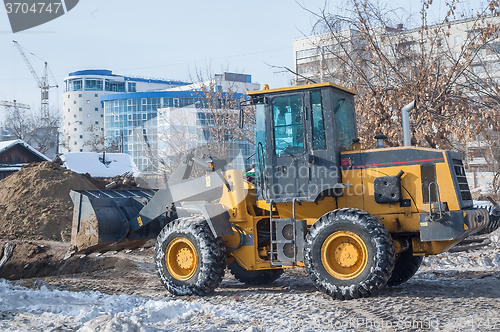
349,254
189,260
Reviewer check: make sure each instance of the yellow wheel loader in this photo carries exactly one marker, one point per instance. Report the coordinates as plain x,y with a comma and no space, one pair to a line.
356,219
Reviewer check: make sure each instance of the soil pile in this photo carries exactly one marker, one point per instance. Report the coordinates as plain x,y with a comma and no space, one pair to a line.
35,202
34,259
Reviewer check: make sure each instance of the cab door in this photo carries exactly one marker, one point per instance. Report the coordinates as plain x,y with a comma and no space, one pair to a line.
289,168
321,153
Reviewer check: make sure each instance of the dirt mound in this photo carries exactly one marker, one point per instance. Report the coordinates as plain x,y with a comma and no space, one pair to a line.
31,259
35,202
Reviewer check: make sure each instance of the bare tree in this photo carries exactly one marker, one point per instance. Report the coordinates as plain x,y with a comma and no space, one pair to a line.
221,106
37,129
210,123
390,66
97,141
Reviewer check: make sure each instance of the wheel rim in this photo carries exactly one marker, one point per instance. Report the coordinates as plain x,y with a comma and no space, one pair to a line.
181,259
344,255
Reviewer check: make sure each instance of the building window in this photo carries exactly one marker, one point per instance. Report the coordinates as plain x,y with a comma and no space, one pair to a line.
74,115
75,85
81,136
93,84
117,118
96,95
74,101
477,69
115,86
458,40
144,101
80,122
129,117
81,150
132,87
144,131
74,129
97,122
80,109
144,116
68,96
97,109
102,115
69,110
80,95
75,143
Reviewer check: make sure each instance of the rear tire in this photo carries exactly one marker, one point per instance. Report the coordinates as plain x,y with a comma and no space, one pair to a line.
189,260
349,254
406,266
254,277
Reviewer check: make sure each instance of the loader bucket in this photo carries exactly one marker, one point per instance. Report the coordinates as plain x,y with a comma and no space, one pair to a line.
100,219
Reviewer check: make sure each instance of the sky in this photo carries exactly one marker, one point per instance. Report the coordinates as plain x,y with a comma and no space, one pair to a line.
161,39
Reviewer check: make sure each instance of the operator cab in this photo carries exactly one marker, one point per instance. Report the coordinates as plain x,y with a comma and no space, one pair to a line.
300,132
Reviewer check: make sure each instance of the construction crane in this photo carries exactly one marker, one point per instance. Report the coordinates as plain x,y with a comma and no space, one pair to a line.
8,106
14,104
43,83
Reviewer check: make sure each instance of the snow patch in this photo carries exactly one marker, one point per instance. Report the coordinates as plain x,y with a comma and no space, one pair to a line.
93,311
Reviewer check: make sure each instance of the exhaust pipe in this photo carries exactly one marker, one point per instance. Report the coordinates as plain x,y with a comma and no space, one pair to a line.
405,118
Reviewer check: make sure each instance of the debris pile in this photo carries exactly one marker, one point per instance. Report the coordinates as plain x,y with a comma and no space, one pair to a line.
126,181
35,202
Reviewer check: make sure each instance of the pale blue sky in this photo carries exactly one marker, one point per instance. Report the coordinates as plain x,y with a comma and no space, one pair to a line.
162,39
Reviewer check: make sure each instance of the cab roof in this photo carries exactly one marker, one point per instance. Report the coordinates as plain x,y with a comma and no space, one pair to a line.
301,87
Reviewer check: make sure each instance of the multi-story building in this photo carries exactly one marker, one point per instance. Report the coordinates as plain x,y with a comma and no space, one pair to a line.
133,125
315,59
83,113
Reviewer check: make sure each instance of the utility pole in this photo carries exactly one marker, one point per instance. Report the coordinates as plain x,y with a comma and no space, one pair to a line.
43,83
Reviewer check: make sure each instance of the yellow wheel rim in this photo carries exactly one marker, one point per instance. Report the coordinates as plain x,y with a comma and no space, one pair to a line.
181,259
344,255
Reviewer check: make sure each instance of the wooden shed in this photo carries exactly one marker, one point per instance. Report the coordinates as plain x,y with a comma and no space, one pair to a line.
15,154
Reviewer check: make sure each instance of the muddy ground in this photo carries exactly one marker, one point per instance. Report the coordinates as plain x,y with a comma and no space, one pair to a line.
451,292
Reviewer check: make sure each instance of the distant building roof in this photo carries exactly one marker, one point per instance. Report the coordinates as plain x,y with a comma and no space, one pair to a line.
5,145
92,163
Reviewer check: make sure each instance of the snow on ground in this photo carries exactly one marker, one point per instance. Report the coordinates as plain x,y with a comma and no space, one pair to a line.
450,292
43,309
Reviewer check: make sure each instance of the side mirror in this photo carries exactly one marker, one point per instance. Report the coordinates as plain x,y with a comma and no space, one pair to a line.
241,119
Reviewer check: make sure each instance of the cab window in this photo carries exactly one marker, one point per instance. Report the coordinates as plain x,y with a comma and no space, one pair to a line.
318,129
288,125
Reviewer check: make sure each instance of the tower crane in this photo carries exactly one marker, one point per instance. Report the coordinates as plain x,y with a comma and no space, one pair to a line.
43,83
9,105
14,104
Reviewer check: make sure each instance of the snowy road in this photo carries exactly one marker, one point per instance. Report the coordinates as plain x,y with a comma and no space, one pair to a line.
451,292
